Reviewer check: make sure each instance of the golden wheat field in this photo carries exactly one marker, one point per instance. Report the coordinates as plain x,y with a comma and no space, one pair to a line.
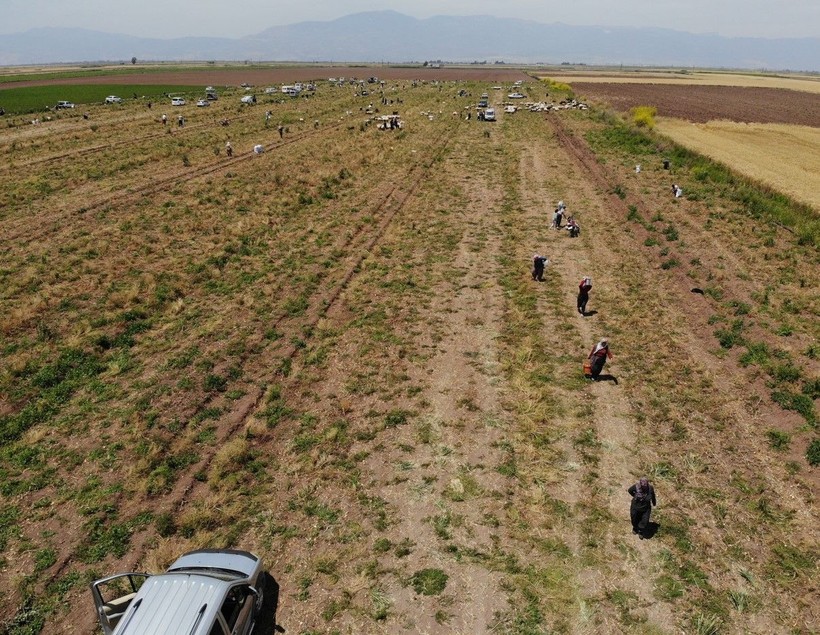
806,83
784,157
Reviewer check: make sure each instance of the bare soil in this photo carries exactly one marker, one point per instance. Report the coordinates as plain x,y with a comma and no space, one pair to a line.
706,103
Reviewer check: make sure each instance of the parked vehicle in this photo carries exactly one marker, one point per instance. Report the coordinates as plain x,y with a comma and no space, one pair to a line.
248,99
206,592
202,103
113,99
489,114
64,104
177,101
483,103
516,95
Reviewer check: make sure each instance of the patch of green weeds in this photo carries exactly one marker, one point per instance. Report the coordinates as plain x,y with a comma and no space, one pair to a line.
381,605
404,548
429,581
396,418
802,404
778,439
730,337
813,452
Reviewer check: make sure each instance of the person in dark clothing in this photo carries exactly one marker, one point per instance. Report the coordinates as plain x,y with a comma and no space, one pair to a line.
538,264
598,356
583,294
643,499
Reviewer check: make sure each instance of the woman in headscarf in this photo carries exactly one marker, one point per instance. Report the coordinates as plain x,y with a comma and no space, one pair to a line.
538,264
643,499
597,357
583,294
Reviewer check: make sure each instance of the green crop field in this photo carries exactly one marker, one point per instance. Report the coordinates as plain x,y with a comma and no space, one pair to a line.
34,99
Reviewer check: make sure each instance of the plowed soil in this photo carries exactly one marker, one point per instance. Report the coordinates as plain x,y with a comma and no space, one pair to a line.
706,103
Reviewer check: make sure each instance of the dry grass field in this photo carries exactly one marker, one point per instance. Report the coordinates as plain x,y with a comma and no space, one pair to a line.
785,157
333,354
763,126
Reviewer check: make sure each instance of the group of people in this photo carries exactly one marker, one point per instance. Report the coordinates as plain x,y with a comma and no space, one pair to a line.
572,225
642,492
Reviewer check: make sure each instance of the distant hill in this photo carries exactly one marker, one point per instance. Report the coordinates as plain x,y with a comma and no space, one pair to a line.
387,36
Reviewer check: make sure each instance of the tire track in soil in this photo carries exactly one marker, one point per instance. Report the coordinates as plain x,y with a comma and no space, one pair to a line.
465,406
622,566
187,484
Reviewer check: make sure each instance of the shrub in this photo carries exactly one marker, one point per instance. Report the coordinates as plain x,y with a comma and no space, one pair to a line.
813,453
644,116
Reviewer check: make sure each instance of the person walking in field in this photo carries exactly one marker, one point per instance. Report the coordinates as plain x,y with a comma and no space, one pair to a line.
164,119
281,130
643,499
228,148
558,214
538,264
584,288
597,357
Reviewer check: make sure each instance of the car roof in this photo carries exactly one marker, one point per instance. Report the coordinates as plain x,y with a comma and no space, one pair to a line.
174,604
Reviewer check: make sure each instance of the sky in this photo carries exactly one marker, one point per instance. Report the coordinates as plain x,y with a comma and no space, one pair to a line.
180,18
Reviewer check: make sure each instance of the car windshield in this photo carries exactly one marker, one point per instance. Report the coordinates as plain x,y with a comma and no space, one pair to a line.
219,574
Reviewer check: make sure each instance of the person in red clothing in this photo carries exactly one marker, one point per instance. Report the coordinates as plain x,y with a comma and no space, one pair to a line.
583,294
598,356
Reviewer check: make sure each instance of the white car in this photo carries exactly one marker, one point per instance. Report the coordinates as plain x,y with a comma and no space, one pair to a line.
202,103
177,101
113,99
205,592
64,104
516,95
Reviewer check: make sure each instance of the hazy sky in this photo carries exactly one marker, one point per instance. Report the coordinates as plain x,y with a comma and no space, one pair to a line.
175,18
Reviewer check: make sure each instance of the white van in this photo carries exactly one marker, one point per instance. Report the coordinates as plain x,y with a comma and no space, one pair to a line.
489,114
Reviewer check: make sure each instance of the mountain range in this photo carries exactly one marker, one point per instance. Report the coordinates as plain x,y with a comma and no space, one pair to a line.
388,36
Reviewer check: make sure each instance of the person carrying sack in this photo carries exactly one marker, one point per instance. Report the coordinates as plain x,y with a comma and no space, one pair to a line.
643,499
538,264
597,357
584,288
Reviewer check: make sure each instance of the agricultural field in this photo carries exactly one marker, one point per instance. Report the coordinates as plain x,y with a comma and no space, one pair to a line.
333,354
784,156
765,127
